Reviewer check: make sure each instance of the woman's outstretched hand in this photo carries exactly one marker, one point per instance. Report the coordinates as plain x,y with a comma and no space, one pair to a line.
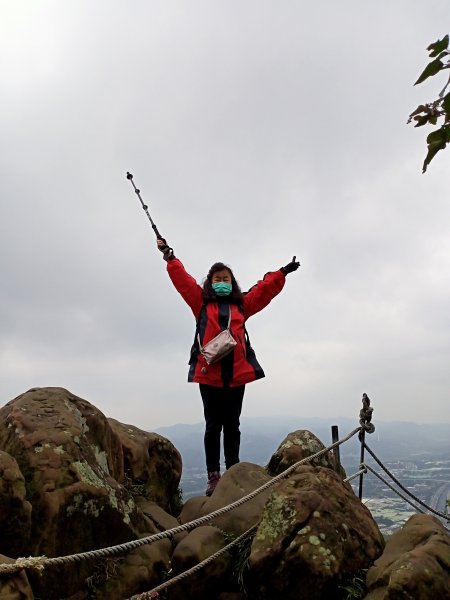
290,267
164,247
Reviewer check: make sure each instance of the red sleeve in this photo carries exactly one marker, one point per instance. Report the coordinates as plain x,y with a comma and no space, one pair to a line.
186,285
259,296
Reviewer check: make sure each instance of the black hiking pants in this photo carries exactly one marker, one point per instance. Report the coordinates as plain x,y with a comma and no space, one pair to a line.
222,408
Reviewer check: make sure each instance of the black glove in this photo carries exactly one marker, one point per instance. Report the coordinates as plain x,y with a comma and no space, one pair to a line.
165,249
290,267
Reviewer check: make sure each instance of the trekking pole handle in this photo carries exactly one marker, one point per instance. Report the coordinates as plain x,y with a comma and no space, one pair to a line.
144,206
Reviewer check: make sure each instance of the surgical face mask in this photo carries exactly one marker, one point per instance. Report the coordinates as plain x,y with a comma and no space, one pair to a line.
222,289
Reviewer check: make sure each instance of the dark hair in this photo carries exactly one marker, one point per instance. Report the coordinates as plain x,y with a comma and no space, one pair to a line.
209,294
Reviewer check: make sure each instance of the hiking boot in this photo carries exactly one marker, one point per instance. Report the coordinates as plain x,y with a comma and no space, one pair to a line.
213,480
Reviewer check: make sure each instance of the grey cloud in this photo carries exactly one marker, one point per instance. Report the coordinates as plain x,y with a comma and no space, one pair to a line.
255,131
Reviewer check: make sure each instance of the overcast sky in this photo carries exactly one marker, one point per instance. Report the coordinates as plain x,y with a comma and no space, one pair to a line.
255,130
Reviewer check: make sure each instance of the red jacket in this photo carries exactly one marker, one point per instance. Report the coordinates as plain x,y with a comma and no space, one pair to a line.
240,366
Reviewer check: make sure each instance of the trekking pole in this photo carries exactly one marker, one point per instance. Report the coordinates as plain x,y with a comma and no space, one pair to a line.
145,207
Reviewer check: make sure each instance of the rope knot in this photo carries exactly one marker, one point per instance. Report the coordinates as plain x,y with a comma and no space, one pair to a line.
37,563
365,415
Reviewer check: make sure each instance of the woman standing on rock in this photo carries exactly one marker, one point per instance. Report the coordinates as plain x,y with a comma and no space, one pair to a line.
219,306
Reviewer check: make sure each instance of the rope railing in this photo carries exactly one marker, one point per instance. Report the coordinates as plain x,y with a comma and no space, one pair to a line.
364,468
357,474
381,478
405,498
153,593
39,563
42,562
401,486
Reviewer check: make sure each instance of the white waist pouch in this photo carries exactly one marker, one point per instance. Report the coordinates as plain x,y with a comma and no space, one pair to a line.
219,346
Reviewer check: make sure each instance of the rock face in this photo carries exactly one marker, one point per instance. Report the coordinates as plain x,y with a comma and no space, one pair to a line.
145,458
415,564
72,469
15,510
313,533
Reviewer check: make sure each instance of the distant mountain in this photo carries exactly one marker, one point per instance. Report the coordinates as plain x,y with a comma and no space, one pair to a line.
261,436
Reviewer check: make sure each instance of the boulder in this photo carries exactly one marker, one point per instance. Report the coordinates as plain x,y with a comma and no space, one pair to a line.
15,510
73,467
193,509
136,572
415,564
73,464
198,545
158,517
235,483
296,446
314,533
146,457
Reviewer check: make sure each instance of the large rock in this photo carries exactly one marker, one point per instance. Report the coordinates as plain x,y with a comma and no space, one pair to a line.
73,467
198,545
159,518
314,533
136,572
415,564
15,510
73,463
235,483
297,446
146,458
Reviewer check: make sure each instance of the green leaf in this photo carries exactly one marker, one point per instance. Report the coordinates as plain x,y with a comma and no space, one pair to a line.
419,109
446,128
431,69
437,137
446,104
421,120
439,46
436,140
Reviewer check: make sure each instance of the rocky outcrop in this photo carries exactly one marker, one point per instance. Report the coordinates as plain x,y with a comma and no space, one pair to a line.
314,533
15,510
415,564
237,482
297,446
137,571
74,485
72,480
145,459
195,547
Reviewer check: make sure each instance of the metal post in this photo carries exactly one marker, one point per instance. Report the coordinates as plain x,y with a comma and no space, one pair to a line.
336,450
365,418
362,437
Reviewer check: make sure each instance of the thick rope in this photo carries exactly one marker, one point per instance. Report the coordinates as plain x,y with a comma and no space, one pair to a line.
37,563
154,592
360,472
386,470
398,493
381,478
169,533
